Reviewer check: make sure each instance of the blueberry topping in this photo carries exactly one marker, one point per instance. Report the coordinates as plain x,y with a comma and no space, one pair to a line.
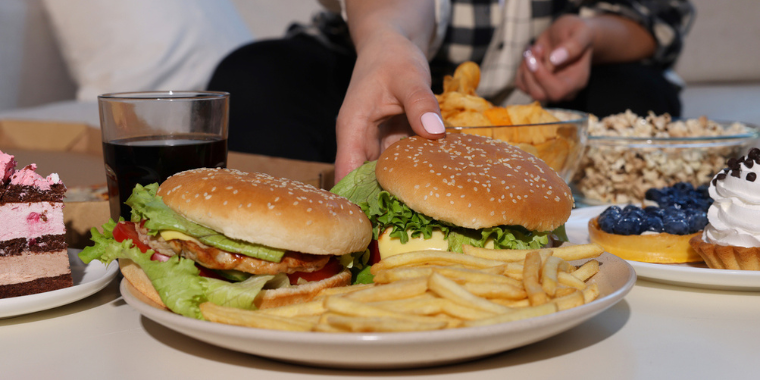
681,209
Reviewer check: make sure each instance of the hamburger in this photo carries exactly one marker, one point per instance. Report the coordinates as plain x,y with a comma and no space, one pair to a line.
234,239
461,189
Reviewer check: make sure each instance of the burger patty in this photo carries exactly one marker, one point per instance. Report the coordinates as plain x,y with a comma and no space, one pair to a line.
214,258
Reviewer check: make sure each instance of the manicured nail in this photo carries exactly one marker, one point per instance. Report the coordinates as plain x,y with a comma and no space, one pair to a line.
558,56
531,61
433,123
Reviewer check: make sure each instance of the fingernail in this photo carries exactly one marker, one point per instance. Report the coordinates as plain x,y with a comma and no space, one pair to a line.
433,123
531,61
558,56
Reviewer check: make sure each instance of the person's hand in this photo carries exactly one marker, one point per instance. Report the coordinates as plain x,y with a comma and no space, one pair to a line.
558,65
389,97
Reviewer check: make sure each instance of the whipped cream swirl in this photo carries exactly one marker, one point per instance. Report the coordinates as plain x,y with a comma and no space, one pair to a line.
734,217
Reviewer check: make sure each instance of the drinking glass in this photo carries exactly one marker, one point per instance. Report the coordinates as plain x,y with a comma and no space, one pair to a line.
148,136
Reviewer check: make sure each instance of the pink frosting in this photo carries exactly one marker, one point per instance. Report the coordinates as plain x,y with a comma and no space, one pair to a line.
7,165
28,177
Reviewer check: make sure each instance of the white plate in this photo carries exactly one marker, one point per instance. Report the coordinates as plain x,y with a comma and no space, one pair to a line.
393,350
88,280
691,275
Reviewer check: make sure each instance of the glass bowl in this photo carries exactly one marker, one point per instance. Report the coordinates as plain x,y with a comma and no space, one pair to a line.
559,144
620,169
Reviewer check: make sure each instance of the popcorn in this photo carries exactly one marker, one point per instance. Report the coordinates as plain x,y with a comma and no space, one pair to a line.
622,174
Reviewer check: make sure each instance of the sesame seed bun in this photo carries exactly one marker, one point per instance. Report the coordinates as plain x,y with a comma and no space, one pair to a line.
475,182
262,209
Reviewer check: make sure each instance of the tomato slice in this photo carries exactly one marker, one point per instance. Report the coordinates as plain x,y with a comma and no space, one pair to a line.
126,230
374,253
330,269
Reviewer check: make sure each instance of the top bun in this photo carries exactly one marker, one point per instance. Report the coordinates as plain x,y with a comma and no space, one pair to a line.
262,209
475,182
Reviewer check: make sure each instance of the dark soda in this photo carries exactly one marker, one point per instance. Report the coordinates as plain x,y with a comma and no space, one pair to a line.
146,160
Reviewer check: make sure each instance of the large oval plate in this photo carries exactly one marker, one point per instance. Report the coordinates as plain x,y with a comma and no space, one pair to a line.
394,350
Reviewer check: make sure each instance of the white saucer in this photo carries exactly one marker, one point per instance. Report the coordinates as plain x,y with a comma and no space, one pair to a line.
88,280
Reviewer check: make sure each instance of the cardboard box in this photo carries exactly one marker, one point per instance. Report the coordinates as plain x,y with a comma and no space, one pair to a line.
75,152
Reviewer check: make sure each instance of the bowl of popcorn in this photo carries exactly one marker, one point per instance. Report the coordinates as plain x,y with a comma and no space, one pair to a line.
627,154
556,136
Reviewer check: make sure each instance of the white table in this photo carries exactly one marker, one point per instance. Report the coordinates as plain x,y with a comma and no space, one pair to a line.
657,332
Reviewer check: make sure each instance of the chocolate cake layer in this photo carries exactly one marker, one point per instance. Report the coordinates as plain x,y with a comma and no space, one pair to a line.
39,285
17,193
41,244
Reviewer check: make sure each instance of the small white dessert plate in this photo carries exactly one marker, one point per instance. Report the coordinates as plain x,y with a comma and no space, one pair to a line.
88,280
690,275
394,350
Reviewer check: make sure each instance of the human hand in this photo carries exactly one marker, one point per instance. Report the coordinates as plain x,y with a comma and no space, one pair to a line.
558,65
389,97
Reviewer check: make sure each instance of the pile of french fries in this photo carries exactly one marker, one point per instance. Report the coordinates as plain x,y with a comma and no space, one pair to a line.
434,290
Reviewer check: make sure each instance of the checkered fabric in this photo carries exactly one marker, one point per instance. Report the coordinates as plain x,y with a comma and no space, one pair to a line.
495,33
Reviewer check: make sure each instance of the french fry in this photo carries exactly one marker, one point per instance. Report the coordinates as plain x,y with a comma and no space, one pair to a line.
387,276
549,273
567,253
394,291
590,293
375,324
343,290
462,275
516,315
347,307
433,258
495,290
563,290
426,304
512,303
569,301
452,291
531,273
587,270
570,280
465,312
316,307
251,318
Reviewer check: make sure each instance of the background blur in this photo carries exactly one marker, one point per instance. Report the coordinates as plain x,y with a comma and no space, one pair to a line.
57,55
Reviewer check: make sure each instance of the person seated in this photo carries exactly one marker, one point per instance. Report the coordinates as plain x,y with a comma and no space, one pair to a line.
364,74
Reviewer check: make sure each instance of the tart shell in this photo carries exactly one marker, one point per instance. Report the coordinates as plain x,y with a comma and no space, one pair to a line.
662,248
726,257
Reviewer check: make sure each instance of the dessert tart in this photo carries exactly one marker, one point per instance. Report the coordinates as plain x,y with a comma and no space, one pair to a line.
658,233
731,240
662,248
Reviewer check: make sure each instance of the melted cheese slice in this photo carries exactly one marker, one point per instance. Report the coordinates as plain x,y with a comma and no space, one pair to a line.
174,235
390,246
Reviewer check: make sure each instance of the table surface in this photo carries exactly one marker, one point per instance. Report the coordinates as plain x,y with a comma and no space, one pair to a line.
657,331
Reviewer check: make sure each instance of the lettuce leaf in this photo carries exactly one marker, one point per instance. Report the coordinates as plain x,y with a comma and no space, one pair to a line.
360,185
177,280
147,205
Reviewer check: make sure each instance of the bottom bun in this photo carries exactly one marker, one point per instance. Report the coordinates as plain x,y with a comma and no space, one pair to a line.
267,298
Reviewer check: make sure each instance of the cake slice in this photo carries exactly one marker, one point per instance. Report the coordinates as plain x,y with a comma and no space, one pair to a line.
33,254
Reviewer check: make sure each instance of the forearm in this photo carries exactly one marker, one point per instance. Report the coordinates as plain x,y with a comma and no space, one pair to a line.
618,39
370,19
